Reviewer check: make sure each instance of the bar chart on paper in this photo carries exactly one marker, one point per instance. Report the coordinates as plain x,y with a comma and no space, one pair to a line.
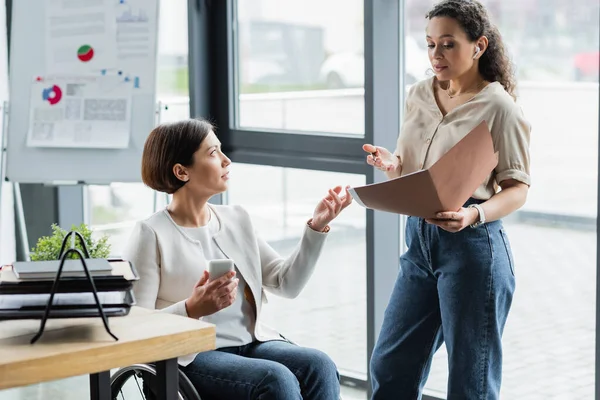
137,24
128,11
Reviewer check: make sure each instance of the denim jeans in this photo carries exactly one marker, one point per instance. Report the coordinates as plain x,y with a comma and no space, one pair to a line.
455,288
275,370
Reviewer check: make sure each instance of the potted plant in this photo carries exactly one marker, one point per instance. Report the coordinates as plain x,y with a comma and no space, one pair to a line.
48,247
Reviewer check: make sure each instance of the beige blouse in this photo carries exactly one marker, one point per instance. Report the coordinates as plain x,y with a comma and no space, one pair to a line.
426,134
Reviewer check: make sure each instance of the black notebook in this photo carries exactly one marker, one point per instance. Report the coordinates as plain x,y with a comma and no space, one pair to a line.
25,270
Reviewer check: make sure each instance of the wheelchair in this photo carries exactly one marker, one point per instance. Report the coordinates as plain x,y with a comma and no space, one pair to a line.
136,382
145,372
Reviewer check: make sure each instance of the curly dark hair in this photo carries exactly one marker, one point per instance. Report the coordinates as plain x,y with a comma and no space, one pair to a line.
471,15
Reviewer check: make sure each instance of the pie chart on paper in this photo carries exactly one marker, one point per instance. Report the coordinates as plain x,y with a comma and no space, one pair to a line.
52,94
85,53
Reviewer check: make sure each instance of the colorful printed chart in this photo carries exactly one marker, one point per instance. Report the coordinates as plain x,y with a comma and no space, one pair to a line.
52,94
80,111
85,53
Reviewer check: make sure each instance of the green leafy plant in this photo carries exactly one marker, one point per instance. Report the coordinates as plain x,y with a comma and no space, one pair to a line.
48,247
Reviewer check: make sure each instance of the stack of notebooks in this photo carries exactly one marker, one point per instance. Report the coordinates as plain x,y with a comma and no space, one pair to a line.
25,289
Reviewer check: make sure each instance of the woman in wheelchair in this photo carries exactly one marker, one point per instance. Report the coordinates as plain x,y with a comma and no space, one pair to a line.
171,250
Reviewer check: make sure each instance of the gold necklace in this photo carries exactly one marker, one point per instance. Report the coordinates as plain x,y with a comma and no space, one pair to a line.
477,89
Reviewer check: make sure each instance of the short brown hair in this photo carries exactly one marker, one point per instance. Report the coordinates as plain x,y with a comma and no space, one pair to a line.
169,144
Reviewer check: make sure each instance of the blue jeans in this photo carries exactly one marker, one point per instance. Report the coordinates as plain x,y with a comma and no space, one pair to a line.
275,370
455,288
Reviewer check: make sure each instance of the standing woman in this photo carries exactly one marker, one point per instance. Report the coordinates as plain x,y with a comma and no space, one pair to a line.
456,280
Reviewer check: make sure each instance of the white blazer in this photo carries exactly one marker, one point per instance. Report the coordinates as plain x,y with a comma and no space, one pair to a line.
170,263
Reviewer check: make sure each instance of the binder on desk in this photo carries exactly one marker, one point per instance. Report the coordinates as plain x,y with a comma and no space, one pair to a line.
65,305
68,297
47,269
121,277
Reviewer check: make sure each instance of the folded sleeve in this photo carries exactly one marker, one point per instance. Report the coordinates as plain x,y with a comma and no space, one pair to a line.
511,141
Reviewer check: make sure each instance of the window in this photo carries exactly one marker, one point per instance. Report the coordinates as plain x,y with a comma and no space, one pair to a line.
555,49
115,208
330,313
172,73
300,66
297,114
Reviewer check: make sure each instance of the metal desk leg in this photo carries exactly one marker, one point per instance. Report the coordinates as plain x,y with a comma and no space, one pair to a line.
100,386
167,374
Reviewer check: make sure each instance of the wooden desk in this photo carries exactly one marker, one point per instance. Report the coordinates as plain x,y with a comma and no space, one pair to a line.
71,347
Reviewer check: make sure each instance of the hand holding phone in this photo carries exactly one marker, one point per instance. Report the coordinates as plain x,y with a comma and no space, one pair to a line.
218,268
210,297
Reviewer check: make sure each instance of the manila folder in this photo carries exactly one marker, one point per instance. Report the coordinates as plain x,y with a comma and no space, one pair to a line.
445,186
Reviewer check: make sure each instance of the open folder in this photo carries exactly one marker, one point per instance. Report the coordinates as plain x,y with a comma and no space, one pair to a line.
445,186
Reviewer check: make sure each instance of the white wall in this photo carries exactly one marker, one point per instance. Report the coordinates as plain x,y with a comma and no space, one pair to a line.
7,226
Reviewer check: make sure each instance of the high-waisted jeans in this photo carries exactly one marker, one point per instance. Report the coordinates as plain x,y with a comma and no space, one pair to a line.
455,288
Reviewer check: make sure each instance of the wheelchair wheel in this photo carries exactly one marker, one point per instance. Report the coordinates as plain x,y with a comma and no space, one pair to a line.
138,382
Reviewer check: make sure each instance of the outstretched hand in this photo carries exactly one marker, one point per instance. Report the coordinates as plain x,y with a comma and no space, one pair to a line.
330,207
381,158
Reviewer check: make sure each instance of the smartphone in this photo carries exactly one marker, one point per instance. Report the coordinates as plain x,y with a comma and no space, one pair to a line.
218,268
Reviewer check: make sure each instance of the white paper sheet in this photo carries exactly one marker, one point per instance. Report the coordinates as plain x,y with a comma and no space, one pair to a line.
136,43
80,35
80,111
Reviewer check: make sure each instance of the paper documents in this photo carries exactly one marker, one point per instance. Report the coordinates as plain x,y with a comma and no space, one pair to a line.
137,27
80,35
446,186
80,111
106,37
